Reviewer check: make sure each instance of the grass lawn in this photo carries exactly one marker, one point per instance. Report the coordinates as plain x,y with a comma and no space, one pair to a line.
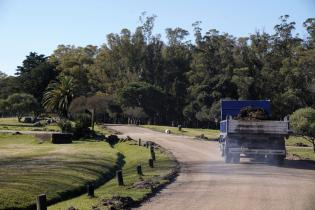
193,132
59,170
305,153
294,140
134,155
11,123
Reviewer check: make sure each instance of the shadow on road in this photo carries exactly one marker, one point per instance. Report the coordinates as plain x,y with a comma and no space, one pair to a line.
299,164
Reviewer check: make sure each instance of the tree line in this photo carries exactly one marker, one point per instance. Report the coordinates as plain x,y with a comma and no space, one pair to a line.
138,77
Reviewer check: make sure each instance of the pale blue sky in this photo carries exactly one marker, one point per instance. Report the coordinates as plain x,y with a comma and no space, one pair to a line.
38,25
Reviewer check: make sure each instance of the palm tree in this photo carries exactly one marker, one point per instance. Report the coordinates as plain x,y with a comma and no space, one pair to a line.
59,95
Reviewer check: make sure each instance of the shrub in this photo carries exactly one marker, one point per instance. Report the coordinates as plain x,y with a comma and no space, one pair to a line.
65,126
303,123
112,139
82,124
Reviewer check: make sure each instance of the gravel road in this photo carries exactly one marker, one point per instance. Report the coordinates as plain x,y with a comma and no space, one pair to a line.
206,182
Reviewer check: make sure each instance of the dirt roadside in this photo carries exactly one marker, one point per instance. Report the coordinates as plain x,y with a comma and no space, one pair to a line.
205,182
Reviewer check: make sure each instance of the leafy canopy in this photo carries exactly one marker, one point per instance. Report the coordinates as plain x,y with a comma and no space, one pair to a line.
21,104
59,95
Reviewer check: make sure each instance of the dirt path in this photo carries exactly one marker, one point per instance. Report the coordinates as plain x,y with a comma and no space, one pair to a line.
205,182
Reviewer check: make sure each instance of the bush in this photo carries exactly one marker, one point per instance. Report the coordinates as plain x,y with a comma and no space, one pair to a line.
65,126
112,139
82,124
303,123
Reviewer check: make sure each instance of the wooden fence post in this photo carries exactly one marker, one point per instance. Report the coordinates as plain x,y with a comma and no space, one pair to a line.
152,155
151,163
139,142
90,190
120,177
41,202
139,170
152,152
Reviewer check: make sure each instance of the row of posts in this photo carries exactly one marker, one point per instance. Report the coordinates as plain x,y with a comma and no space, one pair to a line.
41,201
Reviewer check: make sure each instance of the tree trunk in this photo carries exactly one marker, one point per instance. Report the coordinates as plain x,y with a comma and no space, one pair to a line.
92,119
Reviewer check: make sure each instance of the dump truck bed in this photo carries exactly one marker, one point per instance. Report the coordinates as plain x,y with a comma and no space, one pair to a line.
254,127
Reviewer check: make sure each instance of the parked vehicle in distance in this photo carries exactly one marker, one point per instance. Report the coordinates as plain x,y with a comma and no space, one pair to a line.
250,136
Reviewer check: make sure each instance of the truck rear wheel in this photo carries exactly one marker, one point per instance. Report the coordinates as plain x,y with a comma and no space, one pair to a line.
270,159
279,160
222,151
227,157
276,159
236,158
259,158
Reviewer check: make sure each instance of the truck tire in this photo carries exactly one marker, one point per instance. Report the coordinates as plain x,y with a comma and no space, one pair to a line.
222,150
222,153
276,159
236,158
227,157
270,159
279,160
259,158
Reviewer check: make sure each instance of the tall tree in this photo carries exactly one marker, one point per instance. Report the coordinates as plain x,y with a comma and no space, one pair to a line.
177,57
8,86
75,62
21,104
2,75
309,25
148,97
59,95
35,74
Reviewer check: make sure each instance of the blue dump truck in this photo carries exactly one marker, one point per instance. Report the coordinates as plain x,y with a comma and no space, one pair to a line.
261,139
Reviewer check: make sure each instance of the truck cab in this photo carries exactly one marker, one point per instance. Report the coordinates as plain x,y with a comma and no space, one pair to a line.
263,139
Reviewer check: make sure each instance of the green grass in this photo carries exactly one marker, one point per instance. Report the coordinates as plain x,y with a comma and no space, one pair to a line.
193,132
134,155
294,140
29,168
305,153
11,123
